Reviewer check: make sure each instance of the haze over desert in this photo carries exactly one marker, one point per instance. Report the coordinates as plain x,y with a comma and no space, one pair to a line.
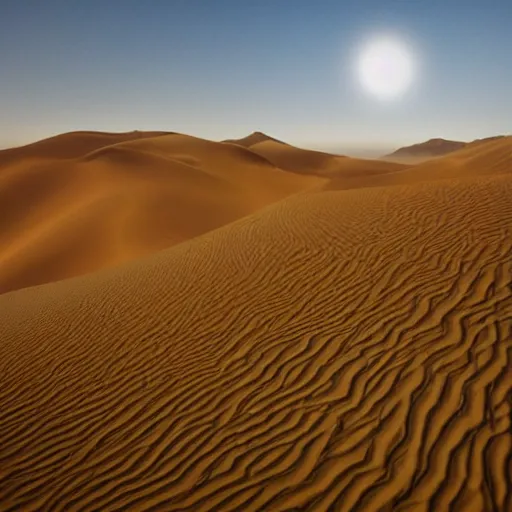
225,318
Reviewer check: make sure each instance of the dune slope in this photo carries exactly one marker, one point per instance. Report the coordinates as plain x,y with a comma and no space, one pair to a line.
295,159
429,149
346,350
70,145
492,157
61,218
315,163
252,139
434,148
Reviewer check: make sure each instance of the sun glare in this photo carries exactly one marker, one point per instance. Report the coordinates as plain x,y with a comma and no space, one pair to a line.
385,67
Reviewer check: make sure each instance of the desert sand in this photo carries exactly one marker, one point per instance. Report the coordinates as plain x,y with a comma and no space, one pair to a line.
80,202
245,325
432,148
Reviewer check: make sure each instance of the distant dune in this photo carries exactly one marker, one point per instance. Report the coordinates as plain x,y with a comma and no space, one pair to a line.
429,149
295,159
294,331
288,157
493,156
432,148
316,163
252,139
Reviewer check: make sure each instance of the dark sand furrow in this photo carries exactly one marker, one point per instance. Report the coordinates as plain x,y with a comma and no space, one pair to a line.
157,488
196,448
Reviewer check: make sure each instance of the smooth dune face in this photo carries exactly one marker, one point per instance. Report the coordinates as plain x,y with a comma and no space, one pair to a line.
429,149
252,139
70,145
292,158
493,157
339,168
62,217
432,149
336,350
296,159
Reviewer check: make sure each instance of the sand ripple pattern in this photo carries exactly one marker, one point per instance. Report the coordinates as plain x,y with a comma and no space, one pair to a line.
338,351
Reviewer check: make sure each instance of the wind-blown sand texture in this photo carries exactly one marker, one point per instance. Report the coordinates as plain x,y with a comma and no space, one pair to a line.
334,350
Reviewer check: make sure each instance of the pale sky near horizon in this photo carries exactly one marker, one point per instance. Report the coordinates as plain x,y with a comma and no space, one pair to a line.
224,68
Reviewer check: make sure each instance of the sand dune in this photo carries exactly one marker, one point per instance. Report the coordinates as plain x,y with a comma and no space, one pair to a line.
288,157
405,286
227,161
430,149
317,163
295,159
433,148
490,158
70,145
252,139
337,350
65,217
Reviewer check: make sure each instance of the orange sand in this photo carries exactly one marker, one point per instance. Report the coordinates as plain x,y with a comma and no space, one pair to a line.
341,342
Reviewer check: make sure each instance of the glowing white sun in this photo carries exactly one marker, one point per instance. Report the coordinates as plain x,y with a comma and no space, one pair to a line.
385,68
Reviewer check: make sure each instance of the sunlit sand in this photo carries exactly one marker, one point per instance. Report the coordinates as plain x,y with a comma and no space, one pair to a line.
246,325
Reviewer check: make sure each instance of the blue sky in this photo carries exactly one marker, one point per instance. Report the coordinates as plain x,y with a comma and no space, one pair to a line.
224,68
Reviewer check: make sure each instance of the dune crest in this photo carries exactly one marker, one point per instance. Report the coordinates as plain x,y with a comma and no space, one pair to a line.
254,138
70,145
